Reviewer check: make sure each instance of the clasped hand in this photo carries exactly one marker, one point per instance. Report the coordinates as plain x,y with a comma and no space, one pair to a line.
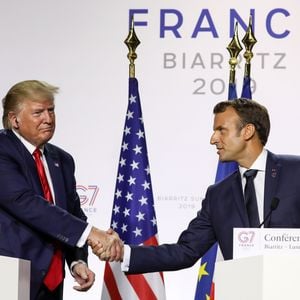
107,245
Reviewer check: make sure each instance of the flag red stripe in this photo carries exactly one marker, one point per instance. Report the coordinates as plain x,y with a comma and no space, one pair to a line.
141,287
212,291
151,241
111,284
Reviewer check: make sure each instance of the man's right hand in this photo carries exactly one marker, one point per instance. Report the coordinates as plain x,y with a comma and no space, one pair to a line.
106,245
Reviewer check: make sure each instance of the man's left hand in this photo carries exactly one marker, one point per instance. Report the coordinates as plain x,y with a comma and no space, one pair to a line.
83,276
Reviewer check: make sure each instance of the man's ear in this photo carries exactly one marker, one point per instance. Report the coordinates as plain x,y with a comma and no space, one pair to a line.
249,131
13,120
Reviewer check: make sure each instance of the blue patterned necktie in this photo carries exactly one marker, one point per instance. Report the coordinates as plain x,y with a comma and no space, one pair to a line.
250,198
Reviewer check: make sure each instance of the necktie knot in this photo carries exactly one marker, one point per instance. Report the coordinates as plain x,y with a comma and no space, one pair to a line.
251,173
37,153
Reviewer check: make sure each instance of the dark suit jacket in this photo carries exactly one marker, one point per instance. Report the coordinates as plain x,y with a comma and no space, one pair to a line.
28,223
222,210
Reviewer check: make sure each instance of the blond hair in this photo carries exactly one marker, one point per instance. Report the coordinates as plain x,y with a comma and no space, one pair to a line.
30,89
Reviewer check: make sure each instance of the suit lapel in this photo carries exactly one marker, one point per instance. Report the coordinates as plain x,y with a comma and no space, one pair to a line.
239,198
55,169
273,168
27,163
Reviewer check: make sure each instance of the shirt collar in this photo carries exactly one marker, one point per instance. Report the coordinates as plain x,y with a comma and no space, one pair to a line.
259,164
27,145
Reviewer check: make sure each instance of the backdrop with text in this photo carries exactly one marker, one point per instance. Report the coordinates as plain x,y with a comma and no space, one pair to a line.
183,71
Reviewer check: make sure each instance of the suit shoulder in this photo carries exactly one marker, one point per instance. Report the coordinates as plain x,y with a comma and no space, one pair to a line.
8,140
57,151
288,159
226,181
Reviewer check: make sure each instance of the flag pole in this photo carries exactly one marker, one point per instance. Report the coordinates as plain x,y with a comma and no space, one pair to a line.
249,41
132,42
234,49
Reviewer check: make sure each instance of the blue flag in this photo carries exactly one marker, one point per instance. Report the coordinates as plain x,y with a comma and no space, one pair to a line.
246,91
205,284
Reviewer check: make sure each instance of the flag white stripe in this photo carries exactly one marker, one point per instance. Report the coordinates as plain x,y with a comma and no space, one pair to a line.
104,294
157,285
125,288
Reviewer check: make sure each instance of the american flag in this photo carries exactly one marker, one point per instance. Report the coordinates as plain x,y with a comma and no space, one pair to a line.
133,215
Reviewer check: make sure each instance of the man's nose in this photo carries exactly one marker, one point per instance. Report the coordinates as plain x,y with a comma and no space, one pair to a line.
213,139
47,117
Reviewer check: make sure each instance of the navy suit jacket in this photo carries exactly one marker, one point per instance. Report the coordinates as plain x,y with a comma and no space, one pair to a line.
223,209
28,223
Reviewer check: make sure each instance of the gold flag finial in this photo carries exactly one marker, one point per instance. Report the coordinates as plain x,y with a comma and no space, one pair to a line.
249,41
234,49
132,42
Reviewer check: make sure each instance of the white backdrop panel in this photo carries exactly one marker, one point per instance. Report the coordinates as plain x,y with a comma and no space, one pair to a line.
78,45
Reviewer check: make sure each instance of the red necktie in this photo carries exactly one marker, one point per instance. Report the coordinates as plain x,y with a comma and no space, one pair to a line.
54,275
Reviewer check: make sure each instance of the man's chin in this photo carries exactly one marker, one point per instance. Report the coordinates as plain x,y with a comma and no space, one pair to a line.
47,136
225,160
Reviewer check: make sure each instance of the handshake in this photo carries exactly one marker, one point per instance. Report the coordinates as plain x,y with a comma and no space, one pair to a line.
107,245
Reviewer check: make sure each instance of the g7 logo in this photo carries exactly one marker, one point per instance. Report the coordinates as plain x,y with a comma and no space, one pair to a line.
87,194
246,236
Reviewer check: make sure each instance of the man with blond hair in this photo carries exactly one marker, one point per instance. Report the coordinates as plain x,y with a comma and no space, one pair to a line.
40,215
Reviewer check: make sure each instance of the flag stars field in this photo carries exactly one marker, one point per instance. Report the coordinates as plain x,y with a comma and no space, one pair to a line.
126,212
153,221
147,170
116,209
124,228
137,150
127,130
120,177
118,194
132,99
114,225
129,115
122,162
146,185
131,180
124,146
137,231
140,216
143,201
129,196
140,134
134,165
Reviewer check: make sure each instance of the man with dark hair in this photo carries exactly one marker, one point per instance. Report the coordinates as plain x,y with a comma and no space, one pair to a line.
240,131
40,215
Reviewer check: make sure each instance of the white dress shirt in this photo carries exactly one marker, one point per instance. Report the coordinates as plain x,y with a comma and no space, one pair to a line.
259,181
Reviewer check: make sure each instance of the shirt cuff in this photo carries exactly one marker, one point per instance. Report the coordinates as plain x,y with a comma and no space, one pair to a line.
82,240
75,263
126,259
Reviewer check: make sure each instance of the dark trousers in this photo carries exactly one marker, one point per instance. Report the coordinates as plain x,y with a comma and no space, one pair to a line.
45,294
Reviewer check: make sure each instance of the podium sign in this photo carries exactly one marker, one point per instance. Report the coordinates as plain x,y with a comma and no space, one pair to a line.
14,278
265,266
264,241
263,277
